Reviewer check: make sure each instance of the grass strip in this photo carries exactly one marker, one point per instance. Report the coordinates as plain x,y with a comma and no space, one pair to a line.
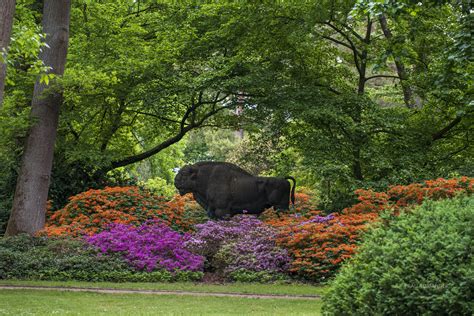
48,302
243,288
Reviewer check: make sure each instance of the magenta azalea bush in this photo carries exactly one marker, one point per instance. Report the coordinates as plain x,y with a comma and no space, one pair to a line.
242,243
151,246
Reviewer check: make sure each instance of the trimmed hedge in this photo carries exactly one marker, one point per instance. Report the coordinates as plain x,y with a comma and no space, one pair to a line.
417,263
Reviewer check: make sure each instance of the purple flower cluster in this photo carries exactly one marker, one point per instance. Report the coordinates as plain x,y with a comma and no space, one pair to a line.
318,219
151,246
244,242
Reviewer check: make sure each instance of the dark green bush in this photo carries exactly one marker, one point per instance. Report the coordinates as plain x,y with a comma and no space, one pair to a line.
62,259
419,263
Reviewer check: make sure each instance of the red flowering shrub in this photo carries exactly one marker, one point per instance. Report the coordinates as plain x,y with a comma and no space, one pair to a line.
91,211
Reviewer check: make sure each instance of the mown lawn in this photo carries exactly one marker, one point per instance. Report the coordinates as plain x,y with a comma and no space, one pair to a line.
246,288
50,302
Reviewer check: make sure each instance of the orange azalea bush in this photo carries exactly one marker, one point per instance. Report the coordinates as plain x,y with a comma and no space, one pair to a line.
402,196
319,244
190,211
91,211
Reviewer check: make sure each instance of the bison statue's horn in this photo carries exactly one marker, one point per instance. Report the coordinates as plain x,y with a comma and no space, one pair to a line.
293,189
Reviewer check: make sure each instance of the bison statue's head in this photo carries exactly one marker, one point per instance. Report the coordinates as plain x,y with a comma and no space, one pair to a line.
185,180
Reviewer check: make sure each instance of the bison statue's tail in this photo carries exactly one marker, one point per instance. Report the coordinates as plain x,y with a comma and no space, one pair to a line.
293,189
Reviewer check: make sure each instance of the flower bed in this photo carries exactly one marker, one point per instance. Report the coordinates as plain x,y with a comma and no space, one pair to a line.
302,241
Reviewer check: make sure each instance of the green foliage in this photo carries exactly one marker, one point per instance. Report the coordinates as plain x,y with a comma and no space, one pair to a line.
417,263
26,43
210,144
61,259
160,187
348,137
25,257
13,127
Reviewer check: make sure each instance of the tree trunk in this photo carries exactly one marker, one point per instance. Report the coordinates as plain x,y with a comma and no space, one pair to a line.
7,10
357,143
402,74
29,203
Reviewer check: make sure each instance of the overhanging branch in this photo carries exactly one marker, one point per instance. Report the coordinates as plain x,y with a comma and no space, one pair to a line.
442,132
383,76
184,128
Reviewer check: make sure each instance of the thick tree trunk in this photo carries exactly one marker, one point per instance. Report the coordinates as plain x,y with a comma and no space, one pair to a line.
7,10
29,204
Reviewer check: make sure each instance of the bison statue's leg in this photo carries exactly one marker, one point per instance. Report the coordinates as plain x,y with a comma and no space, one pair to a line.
223,214
278,210
211,213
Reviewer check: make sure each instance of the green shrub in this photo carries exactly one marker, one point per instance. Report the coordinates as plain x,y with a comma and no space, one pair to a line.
417,263
159,186
62,259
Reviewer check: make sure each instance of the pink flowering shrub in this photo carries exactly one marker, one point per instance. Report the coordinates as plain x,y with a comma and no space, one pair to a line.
151,246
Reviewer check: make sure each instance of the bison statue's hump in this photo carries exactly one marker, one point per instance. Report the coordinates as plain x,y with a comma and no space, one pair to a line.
224,189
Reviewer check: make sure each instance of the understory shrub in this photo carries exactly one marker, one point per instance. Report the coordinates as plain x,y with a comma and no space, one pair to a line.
241,243
419,263
89,212
402,196
151,246
63,259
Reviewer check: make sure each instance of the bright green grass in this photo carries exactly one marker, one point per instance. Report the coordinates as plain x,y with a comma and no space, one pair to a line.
247,288
46,302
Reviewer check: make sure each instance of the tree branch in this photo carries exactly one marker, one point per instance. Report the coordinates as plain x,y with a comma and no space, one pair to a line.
154,115
353,32
73,132
146,154
442,132
354,49
336,41
383,76
183,129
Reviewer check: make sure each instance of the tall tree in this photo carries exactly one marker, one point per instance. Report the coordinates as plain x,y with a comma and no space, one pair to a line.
7,10
28,211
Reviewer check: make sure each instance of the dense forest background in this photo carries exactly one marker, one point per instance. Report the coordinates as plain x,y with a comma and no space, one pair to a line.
339,94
